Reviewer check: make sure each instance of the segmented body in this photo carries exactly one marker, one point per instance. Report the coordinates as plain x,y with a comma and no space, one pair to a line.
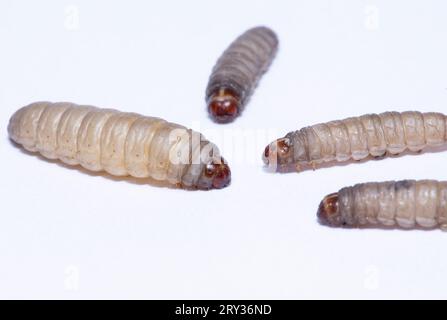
405,204
359,137
117,142
237,72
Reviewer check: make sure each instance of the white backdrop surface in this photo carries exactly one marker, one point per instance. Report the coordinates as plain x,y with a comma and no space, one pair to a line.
67,234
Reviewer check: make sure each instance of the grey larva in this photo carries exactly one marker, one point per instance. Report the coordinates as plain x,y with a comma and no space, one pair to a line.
357,138
119,143
404,204
237,72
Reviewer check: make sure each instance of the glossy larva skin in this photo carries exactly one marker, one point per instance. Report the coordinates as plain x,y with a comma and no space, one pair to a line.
117,142
405,204
238,70
359,137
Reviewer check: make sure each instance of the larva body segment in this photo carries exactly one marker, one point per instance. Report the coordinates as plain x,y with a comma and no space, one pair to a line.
67,134
357,138
119,143
403,204
237,72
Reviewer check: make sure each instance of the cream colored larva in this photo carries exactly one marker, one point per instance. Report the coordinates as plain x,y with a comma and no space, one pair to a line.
405,204
357,138
119,143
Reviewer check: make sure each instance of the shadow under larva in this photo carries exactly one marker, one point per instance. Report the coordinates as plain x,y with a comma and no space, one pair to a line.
238,71
357,139
120,143
406,204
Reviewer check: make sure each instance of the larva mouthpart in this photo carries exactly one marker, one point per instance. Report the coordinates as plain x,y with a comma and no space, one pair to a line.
356,138
119,143
406,204
238,71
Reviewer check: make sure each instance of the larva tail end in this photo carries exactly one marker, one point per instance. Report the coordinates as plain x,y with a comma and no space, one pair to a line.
14,125
328,211
224,105
10,128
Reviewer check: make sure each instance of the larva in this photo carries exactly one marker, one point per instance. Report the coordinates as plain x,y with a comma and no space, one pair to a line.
237,72
119,143
357,138
405,204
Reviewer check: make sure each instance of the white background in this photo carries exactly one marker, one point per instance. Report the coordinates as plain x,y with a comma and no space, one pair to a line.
67,234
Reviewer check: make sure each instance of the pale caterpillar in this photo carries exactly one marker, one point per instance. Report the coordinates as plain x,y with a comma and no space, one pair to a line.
119,143
357,138
404,204
237,72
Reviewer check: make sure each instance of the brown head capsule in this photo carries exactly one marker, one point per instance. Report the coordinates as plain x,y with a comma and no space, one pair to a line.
237,73
328,211
278,153
224,105
119,143
219,172
215,174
